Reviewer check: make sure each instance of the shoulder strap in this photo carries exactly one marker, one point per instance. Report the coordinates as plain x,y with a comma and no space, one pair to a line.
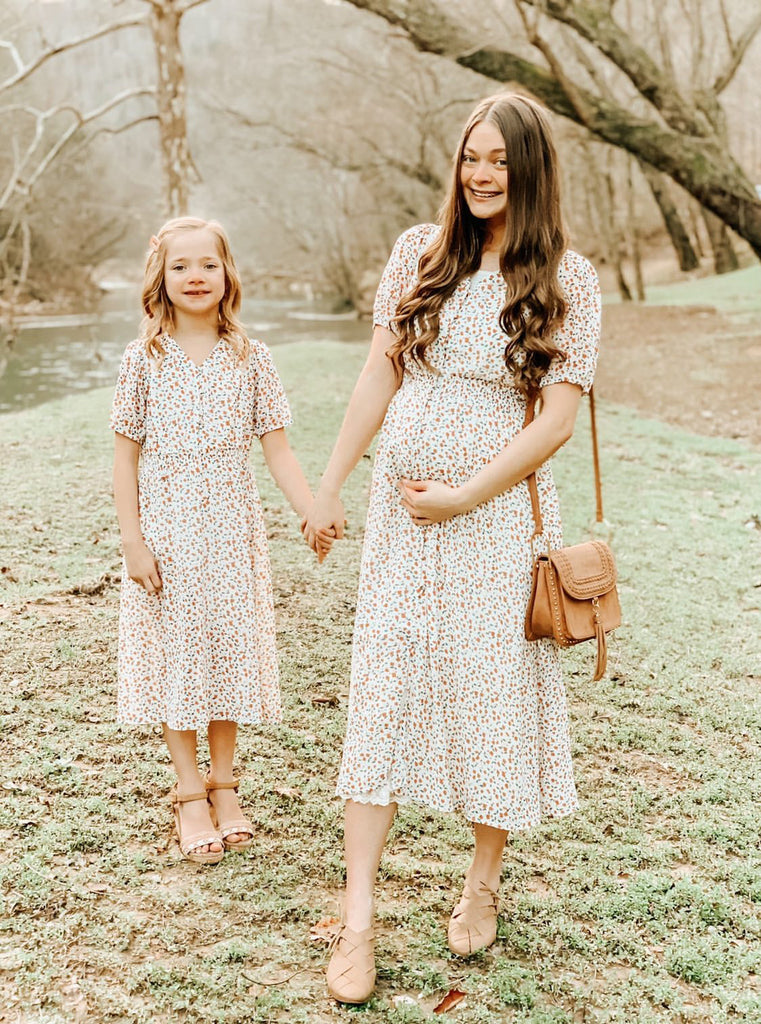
531,478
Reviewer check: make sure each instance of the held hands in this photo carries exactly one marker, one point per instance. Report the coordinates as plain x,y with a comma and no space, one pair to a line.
323,523
142,567
431,501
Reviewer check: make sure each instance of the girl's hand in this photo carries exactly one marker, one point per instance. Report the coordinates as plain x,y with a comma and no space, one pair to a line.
142,567
324,516
323,542
431,501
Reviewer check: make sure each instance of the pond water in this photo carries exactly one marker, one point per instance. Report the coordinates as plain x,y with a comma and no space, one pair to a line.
56,356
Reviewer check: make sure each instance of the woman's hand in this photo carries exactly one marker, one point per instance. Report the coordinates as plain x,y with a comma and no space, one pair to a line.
431,501
324,521
142,567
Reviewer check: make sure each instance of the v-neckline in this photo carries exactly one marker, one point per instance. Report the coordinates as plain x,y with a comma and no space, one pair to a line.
193,363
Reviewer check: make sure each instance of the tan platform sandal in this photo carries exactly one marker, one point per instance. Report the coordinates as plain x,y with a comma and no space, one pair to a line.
351,971
473,924
226,828
189,844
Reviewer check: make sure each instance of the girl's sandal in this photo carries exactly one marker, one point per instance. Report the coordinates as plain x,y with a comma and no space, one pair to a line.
351,971
473,924
232,825
190,844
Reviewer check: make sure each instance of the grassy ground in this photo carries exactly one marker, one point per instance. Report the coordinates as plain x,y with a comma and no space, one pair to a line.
645,907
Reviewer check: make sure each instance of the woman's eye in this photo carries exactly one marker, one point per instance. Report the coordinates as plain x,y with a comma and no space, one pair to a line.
466,159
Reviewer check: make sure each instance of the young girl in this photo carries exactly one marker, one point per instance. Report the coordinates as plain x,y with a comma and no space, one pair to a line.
450,706
196,628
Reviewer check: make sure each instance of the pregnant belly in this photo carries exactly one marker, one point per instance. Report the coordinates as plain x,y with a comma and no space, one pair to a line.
447,431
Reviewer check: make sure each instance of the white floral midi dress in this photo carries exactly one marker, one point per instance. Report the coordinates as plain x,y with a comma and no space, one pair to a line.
450,706
204,650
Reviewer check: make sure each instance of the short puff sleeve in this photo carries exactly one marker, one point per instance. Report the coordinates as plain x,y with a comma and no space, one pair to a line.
271,408
401,272
579,337
128,409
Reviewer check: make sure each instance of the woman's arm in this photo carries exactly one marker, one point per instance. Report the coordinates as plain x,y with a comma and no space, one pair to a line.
431,501
141,565
376,386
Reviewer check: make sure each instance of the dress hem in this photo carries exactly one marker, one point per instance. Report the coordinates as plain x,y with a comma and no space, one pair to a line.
453,808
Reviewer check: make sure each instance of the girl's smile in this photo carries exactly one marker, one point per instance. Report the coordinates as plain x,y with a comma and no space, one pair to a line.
194,273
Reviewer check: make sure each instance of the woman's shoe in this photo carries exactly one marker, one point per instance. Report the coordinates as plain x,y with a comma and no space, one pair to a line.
190,844
351,971
232,825
473,924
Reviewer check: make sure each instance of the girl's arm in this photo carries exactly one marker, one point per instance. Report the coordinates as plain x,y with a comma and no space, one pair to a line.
289,477
141,565
376,386
430,501
285,470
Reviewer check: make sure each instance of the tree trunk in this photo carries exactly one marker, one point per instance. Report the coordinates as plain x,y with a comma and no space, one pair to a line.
633,232
680,239
724,255
170,98
614,239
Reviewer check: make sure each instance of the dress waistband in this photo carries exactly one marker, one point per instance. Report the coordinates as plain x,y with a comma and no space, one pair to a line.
194,454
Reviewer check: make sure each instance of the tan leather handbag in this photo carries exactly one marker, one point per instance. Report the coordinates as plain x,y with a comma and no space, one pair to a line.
573,592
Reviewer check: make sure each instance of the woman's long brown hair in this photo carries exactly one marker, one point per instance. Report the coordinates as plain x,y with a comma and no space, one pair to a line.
534,243
158,310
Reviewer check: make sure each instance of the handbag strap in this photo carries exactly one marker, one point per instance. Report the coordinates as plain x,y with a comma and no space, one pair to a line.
531,478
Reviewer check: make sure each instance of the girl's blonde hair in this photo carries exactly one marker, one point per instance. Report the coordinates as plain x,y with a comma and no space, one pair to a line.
158,310
534,243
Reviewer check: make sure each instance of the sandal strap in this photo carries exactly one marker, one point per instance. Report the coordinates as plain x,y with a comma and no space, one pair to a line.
226,828
175,798
211,786
190,843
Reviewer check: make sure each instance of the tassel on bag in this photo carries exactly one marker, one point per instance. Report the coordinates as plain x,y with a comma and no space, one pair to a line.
573,592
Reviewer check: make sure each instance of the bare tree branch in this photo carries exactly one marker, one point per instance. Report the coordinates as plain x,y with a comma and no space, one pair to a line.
737,52
24,70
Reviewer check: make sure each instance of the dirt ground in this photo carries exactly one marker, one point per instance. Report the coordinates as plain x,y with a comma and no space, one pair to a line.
688,365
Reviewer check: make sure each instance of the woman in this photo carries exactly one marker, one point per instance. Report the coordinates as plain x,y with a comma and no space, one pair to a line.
450,706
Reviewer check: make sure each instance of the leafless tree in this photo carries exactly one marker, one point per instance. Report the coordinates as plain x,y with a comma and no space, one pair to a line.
579,42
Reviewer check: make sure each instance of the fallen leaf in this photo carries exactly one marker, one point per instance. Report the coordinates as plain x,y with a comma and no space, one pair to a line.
325,700
289,791
324,930
450,1000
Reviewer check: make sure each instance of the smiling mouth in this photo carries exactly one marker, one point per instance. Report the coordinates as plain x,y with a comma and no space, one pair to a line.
192,294
481,194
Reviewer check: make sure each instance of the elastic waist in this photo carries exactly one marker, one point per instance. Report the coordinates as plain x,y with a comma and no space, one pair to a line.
195,454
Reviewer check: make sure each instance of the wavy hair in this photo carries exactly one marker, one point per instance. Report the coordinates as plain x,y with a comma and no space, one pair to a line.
158,310
534,242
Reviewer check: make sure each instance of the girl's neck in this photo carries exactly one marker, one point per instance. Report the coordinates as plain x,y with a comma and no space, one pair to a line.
195,328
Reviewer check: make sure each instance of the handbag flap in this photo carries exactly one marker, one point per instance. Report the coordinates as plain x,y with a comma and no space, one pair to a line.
585,570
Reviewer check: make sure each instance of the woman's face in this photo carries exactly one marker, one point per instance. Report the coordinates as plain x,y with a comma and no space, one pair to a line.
483,173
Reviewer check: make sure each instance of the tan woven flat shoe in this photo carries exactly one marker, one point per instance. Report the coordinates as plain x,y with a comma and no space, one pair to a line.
231,825
189,844
473,924
351,971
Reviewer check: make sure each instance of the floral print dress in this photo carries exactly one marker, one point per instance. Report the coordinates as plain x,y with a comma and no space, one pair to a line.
204,650
450,706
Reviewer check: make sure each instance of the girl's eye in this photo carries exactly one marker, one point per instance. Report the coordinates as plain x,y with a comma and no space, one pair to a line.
178,266
211,266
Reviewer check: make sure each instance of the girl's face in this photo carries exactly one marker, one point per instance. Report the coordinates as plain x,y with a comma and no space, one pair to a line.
483,173
194,274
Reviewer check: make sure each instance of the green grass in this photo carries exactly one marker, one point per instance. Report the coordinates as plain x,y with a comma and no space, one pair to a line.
643,908
736,292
